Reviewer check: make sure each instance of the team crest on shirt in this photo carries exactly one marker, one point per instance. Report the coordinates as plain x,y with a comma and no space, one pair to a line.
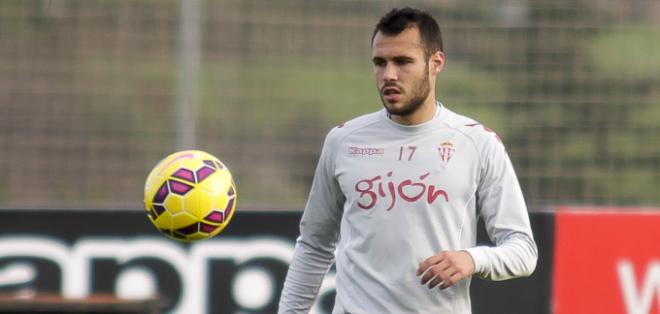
446,150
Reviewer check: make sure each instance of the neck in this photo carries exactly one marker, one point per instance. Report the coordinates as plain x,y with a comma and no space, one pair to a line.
425,113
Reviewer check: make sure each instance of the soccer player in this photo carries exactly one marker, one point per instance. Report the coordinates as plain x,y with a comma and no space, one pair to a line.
397,194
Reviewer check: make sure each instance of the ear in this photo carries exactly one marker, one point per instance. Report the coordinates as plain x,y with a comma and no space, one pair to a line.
436,62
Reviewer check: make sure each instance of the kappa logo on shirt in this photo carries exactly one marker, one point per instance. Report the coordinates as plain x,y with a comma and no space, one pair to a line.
365,151
446,150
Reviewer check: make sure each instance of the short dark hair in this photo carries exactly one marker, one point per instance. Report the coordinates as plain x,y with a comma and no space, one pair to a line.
397,20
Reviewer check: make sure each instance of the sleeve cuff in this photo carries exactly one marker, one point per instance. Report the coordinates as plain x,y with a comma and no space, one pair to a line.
480,259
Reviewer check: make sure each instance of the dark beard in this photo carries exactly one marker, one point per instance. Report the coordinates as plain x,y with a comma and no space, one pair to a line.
421,92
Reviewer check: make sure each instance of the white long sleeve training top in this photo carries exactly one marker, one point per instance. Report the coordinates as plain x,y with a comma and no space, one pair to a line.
387,196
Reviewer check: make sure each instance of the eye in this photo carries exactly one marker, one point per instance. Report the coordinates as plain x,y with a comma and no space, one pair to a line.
403,61
378,62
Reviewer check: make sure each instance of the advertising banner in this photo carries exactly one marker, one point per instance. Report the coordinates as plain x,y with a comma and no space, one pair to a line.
606,262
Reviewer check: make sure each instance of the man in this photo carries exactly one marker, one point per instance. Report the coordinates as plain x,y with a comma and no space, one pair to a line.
398,193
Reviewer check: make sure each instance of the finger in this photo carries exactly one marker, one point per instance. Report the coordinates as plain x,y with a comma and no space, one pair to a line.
435,271
435,259
429,274
437,280
451,280
424,266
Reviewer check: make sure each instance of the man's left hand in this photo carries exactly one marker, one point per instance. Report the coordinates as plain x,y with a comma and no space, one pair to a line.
446,268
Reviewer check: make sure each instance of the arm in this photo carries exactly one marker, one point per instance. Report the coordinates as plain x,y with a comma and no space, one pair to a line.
319,230
501,204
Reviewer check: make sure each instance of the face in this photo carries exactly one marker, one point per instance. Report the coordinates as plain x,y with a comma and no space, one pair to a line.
402,71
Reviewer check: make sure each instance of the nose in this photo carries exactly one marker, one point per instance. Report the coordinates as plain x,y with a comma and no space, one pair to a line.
389,73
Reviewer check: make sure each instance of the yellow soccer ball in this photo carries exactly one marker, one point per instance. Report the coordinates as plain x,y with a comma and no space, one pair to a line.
190,195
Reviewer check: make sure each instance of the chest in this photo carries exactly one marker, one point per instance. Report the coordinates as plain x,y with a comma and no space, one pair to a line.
432,170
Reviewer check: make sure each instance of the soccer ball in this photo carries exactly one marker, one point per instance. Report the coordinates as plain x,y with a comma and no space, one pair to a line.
190,195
